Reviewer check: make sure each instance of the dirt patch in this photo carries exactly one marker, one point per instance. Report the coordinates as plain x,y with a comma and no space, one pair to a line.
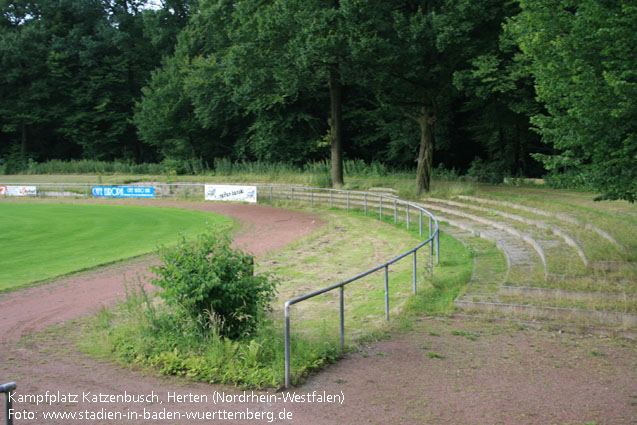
477,373
470,372
24,311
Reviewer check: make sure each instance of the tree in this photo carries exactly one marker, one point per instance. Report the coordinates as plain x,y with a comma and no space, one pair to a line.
501,100
412,50
70,71
284,58
25,95
582,58
166,115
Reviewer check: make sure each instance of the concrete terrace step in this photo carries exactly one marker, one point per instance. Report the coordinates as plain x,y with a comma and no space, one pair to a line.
564,294
614,266
545,313
590,282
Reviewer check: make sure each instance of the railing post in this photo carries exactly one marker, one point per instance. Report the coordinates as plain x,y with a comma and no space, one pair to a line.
342,318
381,208
438,246
407,216
9,408
415,272
287,345
365,202
387,293
432,242
331,202
270,194
7,389
312,197
431,266
347,201
395,213
420,223
293,194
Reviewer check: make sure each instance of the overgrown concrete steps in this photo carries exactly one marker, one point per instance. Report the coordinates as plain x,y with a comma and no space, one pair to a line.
563,253
540,224
563,294
556,215
592,283
559,298
535,300
494,230
565,227
521,262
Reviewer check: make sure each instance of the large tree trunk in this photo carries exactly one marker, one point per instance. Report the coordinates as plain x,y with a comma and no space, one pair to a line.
336,128
426,121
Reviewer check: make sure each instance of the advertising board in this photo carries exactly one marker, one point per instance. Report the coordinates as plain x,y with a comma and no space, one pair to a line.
123,192
18,191
217,192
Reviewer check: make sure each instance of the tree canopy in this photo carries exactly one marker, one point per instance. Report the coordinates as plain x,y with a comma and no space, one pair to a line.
522,88
583,59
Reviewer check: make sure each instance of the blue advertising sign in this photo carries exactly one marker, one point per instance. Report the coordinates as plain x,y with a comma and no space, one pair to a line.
123,192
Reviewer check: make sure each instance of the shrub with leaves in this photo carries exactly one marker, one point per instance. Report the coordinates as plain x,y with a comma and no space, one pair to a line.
214,284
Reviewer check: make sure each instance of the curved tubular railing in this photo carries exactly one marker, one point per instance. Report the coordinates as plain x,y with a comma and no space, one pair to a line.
305,193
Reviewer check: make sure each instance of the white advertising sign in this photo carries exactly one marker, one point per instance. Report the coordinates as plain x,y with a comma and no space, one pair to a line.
217,192
18,191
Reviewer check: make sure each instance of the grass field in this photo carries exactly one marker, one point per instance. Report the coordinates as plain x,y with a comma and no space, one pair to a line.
43,240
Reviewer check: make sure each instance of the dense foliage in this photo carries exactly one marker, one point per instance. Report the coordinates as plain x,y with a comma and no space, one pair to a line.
474,84
214,285
583,57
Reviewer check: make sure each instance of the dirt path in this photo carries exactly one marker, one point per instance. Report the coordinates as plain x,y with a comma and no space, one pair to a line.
21,312
447,371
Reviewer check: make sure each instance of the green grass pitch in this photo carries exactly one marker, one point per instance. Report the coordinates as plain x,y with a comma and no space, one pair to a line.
41,241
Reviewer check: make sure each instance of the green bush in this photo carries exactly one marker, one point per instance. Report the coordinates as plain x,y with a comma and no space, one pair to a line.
141,331
358,167
214,284
440,173
13,163
570,179
486,172
176,166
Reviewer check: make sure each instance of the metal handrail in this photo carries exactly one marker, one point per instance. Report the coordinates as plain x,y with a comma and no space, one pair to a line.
433,240
7,389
